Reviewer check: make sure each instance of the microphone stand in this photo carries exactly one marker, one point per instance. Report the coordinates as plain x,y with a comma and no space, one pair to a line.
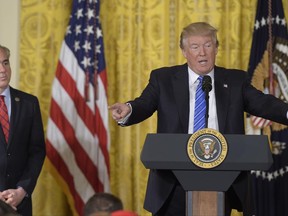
206,87
207,107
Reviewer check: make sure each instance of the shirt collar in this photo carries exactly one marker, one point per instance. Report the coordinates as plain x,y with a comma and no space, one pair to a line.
6,93
194,76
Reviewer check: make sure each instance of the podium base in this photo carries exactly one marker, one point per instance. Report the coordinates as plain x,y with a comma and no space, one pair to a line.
204,203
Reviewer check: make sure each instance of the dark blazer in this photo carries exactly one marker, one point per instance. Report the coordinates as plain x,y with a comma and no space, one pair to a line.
22,158
168,93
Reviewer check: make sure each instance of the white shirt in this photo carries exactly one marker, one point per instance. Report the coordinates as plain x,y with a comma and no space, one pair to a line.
193,83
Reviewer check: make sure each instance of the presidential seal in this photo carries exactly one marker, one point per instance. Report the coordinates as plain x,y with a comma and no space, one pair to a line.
207,148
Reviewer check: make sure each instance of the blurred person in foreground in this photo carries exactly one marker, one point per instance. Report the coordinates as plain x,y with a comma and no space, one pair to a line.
123,213
102,204
171,92
22,145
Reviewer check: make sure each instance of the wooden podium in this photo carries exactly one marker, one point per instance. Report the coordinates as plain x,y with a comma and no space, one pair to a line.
205,187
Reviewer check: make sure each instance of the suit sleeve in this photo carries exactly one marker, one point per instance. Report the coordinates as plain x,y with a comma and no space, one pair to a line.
145,105
265,105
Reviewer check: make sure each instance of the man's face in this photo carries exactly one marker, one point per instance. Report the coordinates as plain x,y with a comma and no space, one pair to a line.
5,71
200,52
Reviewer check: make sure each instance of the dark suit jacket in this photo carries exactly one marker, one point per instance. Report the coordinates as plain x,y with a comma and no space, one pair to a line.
22,159
168,93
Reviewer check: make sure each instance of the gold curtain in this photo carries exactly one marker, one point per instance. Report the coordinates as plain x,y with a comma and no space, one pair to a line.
42,27
139,36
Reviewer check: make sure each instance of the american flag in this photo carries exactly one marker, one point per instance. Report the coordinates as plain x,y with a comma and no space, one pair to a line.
268,71
77,132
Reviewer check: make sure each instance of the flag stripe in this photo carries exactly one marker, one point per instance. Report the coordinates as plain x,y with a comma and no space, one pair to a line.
80,128
81,157
83,111
80,188
260,122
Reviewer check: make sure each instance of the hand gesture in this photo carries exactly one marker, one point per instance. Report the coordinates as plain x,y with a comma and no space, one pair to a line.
13,196
119,111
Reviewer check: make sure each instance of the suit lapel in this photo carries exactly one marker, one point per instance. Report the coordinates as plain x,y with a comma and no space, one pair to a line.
222,93
181,95
15,110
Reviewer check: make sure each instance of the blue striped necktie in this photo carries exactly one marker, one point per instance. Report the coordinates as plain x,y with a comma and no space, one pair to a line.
200,107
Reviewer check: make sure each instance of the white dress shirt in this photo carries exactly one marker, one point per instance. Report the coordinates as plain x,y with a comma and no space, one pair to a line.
212,119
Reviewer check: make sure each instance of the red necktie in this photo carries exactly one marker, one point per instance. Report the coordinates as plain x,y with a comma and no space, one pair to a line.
4,119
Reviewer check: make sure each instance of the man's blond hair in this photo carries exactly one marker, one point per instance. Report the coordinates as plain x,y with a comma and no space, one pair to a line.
198,29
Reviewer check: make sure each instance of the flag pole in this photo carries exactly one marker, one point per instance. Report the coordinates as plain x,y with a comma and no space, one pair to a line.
270,48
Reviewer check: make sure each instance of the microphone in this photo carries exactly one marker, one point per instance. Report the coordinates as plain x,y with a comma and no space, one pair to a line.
206,87
206,84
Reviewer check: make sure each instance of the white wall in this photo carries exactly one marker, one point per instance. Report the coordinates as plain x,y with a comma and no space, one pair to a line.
9,34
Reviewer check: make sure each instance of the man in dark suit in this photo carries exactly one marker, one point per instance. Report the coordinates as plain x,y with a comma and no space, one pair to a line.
22,152
171,92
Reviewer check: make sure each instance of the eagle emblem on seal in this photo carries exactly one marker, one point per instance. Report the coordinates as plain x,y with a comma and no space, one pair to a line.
208,148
